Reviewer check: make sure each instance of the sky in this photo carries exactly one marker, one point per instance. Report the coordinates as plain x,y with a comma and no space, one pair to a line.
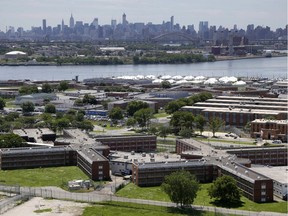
27,13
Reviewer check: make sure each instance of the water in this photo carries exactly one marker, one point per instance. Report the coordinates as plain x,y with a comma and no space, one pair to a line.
260,67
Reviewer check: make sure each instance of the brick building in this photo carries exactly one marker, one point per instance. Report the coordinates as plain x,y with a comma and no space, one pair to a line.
238,111
137,143
269,129
274,156
35,157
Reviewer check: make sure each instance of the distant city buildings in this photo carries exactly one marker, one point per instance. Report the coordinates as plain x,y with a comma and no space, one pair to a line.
80,31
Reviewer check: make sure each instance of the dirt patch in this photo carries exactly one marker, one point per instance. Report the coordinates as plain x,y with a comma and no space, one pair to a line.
58,208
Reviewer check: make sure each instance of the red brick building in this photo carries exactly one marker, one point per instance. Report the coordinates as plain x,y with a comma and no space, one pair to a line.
270,129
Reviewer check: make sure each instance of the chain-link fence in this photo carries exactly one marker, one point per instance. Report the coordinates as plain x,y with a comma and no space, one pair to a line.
96,196
10,202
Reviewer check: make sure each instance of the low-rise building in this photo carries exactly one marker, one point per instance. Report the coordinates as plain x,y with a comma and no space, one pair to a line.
279,175
270,129
137,143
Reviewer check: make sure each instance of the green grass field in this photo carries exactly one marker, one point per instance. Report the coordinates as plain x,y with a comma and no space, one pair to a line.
155,193
223,141
55,176
132,209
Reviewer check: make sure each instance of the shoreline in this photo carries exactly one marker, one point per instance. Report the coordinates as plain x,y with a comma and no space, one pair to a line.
218,58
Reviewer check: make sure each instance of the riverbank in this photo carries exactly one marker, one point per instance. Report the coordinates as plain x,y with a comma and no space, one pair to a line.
217,58
229,58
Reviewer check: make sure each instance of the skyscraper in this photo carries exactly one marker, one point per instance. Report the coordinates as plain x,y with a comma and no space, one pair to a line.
113,23
95,23
124,20
62,25
44,26
72,24
172,23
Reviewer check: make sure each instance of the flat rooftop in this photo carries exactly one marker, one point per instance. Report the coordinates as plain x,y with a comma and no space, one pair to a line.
278,173
91,155
243,106
76,136
248,101
252,98
235,110
117,156
241,171
264,121
171,164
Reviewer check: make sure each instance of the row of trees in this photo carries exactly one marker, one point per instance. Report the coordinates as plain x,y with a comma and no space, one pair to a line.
56,122
176,58
182,188
46,88
174,106
183,123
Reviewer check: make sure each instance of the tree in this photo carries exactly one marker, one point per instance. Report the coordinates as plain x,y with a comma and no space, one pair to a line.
85,125
116,114
174,106
134,106
2,103
164,131
166,84
50,108
185,133
182,119
27,107
62,123
143,117
78,102
89,99
225,189
63,86
28,89
153,130
131,122
46,88
215,124
200,123
11,141
181,187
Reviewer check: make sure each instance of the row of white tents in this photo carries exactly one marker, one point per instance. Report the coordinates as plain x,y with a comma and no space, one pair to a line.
187,79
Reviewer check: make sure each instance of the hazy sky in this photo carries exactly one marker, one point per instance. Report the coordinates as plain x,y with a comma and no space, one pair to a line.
29,13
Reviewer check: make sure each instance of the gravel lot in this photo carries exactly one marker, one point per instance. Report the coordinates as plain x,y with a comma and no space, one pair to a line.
59,208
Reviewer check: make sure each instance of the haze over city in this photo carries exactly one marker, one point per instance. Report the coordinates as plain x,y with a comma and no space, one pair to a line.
221,12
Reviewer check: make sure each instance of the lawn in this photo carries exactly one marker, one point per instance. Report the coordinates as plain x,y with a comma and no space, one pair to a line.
223,141
132,209
155,193
56,176
160,115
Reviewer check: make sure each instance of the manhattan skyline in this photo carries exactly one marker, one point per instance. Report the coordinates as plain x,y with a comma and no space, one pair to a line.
217,12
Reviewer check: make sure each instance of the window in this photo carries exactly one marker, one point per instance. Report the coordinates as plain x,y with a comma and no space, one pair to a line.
263,186
100,167
100,172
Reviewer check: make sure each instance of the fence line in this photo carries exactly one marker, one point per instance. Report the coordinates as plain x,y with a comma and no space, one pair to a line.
93,197
9,203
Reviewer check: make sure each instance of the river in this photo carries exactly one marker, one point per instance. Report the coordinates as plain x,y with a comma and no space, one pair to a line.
259,67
